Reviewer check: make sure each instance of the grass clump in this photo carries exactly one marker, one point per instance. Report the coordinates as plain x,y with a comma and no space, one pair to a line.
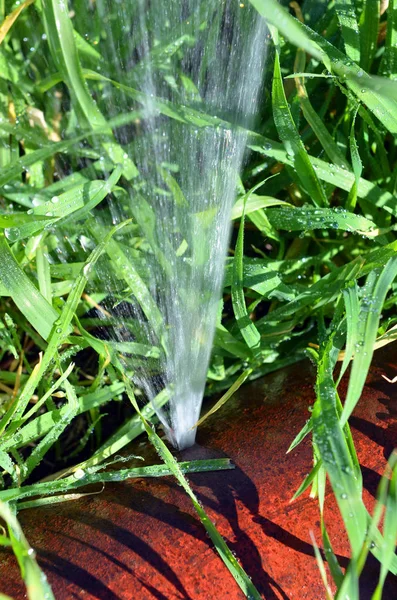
312,268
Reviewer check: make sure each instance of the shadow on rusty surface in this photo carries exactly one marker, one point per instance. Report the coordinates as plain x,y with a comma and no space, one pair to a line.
142,539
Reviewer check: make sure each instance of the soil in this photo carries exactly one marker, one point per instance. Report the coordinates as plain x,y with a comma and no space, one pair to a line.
142,539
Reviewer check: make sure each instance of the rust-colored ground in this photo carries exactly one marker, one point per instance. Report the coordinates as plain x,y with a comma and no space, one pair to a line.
142,539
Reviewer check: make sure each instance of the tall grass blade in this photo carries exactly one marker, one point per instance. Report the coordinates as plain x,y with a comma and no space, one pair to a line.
368,323
221,547
37,586
292,141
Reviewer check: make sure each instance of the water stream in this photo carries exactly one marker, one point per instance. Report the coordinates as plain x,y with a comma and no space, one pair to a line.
183,56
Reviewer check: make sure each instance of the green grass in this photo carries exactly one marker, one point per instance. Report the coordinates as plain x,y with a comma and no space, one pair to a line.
311,270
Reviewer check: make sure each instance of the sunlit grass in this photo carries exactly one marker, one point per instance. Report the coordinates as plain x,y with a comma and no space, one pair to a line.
311,270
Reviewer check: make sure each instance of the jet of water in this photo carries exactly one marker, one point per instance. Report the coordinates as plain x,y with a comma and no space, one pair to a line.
198,66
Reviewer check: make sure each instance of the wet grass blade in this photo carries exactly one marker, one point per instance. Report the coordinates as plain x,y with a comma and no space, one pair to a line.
48,440
292,141
357,166
275,14
123,266
389,528
253,204
385,497
32,304
368,323
369,28
233,388
321,567
37,586
331,442
38,427
308,481
389,60
247,328
221,547
325,138
11,18
91,475
44,273
346,13
380,103
383,105
352,305
63,49
307,218
59,332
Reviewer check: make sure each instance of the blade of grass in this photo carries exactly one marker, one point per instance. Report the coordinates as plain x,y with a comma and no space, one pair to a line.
44,273
52,436
38,427
346,13
63,49
82,478
325,138
389,60
59,332
37,586
32,304
336,458
368,323
11,18
244,323
382,105
369,27
389,529
275,14
307,217
233,388
321,567
221,547
292,141
357,166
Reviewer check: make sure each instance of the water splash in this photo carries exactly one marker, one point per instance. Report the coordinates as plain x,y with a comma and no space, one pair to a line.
198,68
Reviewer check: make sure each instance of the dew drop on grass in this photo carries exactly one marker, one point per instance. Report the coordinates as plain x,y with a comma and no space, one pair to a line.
87,270
79,474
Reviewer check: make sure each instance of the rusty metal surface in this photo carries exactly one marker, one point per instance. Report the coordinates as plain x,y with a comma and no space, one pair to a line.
143,540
